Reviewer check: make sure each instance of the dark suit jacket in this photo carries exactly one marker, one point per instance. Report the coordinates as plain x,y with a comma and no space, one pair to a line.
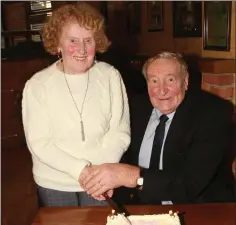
197,158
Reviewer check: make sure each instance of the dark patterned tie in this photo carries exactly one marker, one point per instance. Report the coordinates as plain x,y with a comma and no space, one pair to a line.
157,142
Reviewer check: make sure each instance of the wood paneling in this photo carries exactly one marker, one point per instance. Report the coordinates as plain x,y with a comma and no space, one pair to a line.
217,65
147,43
14,16
14,75
153,42
188,45
19,199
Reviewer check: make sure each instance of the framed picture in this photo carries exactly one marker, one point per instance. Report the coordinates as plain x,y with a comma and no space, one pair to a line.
187,18
133,17
217,22
155,16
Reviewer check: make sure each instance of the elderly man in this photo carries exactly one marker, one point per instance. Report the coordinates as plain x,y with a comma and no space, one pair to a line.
180,143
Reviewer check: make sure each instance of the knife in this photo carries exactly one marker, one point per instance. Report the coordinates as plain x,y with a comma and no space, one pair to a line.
117,209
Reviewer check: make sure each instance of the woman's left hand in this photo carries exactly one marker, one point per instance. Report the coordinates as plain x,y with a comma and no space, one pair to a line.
102,198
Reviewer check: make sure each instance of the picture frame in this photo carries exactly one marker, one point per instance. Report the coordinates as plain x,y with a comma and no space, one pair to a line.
133,17
217,25
155,16
187,18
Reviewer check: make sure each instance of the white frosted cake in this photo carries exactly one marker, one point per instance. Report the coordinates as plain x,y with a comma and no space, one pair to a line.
157,219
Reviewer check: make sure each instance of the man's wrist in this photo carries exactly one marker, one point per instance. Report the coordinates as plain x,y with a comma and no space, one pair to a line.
140,179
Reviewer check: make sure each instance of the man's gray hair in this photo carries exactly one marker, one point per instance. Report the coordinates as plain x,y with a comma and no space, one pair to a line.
167,55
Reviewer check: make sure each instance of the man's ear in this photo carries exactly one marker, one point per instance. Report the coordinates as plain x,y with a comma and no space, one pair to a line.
186,81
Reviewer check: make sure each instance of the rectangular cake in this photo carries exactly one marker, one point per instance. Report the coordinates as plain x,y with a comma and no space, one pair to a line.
157,219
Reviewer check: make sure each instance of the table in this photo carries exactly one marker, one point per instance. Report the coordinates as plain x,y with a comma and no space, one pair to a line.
196,214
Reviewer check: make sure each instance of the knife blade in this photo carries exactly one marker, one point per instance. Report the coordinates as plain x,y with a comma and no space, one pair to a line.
117,209
113,204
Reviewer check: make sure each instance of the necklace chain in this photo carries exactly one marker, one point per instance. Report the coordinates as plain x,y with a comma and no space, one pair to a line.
82,107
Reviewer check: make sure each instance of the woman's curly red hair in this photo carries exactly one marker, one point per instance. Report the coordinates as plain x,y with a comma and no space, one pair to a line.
85,15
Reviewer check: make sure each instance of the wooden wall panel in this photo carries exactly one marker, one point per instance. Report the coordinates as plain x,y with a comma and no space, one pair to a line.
15,16
14,74
19,198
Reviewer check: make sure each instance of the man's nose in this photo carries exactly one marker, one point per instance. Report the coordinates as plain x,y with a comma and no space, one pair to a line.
163,88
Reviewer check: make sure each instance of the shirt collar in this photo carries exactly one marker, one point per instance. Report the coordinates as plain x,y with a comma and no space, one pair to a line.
158,114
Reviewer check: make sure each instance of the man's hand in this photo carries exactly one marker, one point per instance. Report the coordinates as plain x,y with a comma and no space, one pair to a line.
108,176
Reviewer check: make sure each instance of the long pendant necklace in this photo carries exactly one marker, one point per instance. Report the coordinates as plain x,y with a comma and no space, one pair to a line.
82,107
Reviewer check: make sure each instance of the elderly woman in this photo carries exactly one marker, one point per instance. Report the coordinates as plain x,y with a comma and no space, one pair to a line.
75,112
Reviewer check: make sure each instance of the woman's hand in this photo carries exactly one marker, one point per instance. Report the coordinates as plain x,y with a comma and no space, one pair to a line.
85,172
102,198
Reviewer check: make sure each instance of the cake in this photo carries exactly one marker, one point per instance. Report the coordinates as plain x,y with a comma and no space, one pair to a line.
156,219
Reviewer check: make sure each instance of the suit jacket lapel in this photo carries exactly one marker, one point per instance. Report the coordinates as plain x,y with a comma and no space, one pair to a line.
179,132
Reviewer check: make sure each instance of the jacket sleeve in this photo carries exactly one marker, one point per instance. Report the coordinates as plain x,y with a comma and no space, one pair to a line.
39,136
204,157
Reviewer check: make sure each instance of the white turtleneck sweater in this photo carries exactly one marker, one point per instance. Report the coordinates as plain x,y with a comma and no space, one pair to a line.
52,123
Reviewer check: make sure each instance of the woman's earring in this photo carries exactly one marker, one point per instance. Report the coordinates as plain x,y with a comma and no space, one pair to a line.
59,55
